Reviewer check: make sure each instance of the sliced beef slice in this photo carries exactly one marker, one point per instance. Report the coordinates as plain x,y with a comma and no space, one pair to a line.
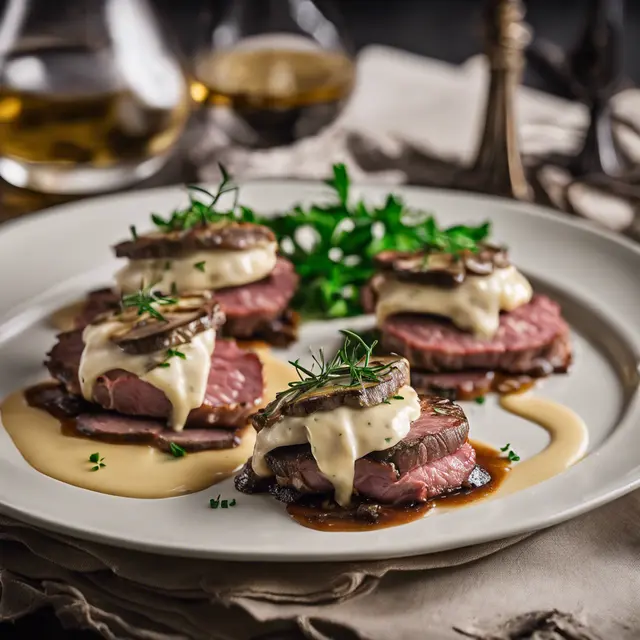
113,427
532,339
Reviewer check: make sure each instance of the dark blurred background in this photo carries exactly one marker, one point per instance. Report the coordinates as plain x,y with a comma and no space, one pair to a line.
443,29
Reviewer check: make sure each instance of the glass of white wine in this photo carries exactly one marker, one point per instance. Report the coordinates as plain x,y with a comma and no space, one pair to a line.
91,97
273,71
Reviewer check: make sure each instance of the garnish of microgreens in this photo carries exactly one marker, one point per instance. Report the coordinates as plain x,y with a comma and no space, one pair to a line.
350,367
145,300
512,455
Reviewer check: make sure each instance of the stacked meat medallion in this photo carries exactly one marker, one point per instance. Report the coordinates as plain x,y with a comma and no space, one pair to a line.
237,262
357,431
466,320
156,372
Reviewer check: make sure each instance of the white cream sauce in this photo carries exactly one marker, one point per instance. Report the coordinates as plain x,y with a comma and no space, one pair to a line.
339,437
184,381
216,269
474,305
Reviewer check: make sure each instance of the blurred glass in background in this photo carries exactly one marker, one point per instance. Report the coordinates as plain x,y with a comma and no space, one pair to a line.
273,71
91,97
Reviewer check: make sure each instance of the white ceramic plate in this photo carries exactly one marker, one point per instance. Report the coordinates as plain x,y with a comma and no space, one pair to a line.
54,257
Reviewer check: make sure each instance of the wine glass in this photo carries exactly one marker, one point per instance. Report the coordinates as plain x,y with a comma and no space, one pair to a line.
273,71
91,97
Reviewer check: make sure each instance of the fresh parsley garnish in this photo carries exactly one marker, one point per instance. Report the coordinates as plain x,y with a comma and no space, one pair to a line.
512,455
388,439
174,353
398,397
176,450
200,266
345,238
144,300
134,232
479,400
350,367
214,503
97,461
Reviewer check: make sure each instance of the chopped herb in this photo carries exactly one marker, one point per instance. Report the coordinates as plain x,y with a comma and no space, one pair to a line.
164,365
145,300
214,503
388,439
200,266
175,353
440,411
176,450
512,455
134,232
97,460
167,265
398,397
479,400
350,367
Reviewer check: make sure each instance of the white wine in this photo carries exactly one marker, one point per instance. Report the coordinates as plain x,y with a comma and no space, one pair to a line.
65,107
269,97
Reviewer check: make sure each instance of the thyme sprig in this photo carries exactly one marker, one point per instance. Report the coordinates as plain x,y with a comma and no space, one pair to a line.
144,300
199,212
350,367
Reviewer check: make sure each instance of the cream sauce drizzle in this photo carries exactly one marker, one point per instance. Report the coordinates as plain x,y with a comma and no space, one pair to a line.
184,381
339,437
136,471
569,440
474,305
220,268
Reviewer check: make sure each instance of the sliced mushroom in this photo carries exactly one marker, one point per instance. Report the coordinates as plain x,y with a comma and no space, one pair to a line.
338,394
182,321
442,269
234,236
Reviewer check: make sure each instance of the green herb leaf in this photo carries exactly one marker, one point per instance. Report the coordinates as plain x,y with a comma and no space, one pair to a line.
224,504
214,503
134,232
398,397
200,266
145,300
233,503
513,456
94,457
388,439
164,365
479,400
175,353
176,450
95,468
506,446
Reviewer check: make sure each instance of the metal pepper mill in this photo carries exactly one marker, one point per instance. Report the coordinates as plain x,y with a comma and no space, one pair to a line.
498,167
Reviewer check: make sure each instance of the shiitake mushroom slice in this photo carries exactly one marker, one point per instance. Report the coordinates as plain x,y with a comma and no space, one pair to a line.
338,395
442,269
182,321
234,236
